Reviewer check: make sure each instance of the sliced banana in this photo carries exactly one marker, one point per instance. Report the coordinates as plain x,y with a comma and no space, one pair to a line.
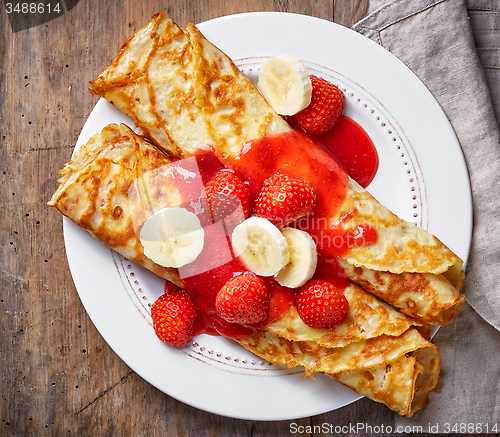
172,237
303,258
261,246
285,84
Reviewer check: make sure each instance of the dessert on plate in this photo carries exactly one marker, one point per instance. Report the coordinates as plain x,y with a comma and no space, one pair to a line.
261,234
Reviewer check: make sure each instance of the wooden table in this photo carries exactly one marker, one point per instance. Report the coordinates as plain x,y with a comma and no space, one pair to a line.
59,377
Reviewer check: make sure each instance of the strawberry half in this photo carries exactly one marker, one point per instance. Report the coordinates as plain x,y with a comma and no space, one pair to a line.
173,314
228,197
244,299
327,104
284,198
321,305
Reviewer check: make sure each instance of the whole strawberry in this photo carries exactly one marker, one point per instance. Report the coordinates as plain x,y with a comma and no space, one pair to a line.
284,198
321,305
327,104
244,299
173,314
228,197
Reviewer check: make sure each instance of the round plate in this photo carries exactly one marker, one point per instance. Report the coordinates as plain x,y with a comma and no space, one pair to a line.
422,178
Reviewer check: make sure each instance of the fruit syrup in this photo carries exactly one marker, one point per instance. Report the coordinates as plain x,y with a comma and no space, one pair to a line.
297,154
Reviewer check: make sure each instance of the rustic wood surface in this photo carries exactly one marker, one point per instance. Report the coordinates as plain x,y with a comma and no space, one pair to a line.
58,376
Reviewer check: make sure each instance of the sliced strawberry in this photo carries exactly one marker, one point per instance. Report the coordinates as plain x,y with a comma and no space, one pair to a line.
228,197
327,104
284,198
321,305
244,299
174,314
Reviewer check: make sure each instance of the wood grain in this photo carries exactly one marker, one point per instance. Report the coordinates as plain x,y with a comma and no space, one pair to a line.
58,376
349,12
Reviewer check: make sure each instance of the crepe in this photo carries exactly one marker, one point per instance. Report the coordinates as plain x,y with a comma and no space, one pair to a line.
100,190
117,180
367,317
428,298
397,371
156,80
183,92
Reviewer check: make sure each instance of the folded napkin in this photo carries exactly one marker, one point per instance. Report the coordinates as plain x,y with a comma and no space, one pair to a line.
438,41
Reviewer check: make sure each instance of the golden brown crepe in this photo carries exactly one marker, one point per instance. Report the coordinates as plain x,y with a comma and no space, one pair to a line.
397,371
367,317
98,190
156,80
117,180
426,297
184,92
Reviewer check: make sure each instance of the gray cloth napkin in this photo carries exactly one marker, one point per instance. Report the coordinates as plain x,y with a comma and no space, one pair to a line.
438,41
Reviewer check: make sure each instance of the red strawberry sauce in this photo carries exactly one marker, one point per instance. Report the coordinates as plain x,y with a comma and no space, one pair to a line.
297,154
351,146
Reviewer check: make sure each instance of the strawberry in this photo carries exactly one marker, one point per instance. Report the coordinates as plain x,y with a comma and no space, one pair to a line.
321,305
227,195
244,299
173,314
284,198
327,104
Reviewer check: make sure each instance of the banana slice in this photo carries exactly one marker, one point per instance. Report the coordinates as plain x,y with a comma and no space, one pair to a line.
285,84
172,237
261,246
303,258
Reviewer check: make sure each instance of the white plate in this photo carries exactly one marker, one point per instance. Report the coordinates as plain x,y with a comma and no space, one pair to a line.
422,178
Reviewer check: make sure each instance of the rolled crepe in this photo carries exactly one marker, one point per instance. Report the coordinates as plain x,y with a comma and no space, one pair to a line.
367,317
397,371
117,180
100,190
183,92
428,298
